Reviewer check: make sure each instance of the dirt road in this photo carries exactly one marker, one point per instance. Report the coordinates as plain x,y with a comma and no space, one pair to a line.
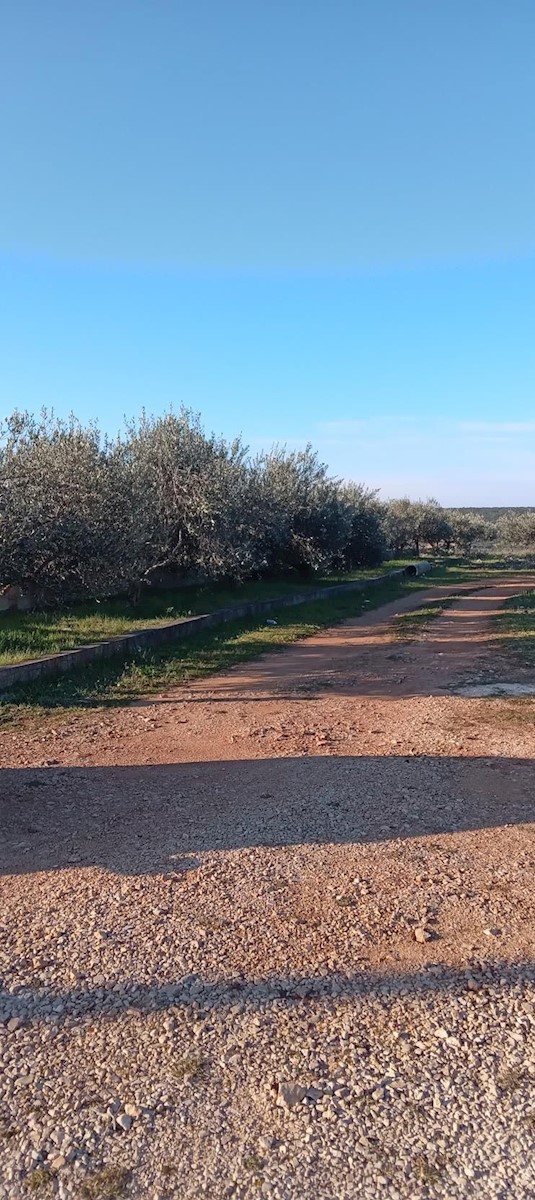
274,934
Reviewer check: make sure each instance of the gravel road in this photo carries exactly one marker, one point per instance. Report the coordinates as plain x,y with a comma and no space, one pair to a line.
273,934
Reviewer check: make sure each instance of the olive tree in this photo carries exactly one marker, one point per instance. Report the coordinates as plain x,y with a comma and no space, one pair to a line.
65,512
306,521
468,529
365,544
411,524
192,490
517,529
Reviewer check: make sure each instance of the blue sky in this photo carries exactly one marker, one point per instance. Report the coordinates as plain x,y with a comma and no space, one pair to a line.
308,220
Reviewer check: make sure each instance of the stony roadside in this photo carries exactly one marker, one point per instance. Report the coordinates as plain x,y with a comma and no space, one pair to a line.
274,935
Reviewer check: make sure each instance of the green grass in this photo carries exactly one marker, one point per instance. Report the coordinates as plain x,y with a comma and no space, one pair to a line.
457,570
36,634
410,625
116,681
515,626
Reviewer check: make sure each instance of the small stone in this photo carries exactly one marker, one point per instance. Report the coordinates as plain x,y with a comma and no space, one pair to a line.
422,935
125,1121
58,1162
290,1094
267,1143
14,1024
232,1060
472,984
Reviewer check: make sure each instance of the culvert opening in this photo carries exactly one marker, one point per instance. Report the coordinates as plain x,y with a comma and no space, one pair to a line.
420,568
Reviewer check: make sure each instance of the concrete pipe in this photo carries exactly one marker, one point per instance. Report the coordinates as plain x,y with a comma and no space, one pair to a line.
419,568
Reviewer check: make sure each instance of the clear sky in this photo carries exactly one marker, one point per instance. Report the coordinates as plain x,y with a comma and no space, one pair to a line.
308,219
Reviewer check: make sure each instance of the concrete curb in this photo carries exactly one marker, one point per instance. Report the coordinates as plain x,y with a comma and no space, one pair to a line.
129,644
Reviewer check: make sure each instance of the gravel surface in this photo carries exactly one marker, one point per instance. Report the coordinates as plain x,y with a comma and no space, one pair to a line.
273,935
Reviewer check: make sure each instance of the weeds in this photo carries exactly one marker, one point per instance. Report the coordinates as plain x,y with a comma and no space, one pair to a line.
211,924
189,1068
253,1163
7,1130
427,1170
410,625
509,1079
108,1184
39,1180
168,1169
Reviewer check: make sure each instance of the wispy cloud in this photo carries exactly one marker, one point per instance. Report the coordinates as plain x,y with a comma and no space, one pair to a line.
497,428
365,425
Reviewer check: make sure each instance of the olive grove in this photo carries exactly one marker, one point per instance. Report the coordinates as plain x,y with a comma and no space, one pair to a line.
85,516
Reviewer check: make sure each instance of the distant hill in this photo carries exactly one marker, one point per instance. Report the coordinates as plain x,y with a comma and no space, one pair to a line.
492,514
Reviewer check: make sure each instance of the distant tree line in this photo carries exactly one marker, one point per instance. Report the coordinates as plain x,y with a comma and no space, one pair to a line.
494,514
85,516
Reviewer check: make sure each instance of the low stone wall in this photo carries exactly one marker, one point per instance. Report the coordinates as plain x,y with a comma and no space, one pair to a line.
128,644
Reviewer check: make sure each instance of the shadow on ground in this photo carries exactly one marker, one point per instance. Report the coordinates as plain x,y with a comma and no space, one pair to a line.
155,819
292,991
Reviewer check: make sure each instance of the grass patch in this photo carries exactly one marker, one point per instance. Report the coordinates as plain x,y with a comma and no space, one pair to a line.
39,1180
515,626
191,1067
429,1171
116,681
253,1163
108,1184
409,626
458,570
36,634
510,1079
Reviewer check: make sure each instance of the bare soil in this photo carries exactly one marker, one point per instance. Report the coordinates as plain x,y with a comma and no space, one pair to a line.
335,810
350,744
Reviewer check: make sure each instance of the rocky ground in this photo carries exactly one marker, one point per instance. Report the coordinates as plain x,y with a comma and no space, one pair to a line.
274,934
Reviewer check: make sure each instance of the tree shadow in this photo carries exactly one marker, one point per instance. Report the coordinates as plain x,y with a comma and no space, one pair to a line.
293,991
140,820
